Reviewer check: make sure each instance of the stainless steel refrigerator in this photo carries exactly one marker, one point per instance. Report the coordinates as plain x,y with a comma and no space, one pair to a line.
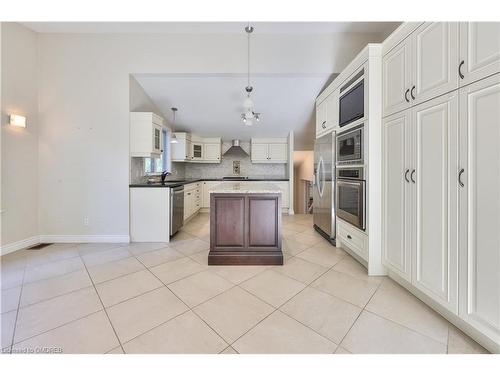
324,186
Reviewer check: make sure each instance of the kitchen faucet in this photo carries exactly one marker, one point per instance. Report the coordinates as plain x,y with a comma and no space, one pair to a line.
164,176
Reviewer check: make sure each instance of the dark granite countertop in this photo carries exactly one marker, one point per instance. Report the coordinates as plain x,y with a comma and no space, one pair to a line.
171,184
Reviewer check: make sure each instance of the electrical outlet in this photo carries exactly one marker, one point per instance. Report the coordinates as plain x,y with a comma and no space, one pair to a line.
86,221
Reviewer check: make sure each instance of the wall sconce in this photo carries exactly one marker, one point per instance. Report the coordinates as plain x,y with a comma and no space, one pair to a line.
16,120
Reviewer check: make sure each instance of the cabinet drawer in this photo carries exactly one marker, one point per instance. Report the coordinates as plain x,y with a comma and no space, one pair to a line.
353,239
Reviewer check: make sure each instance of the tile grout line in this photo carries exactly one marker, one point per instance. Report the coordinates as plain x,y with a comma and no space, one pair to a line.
279,307
59,326
18,308
104,308
189,307
363,309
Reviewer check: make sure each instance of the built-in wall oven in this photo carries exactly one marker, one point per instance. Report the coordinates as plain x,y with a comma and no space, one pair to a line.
350,199
350,146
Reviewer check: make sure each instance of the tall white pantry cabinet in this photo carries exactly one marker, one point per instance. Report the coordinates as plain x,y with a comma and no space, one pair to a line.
441,170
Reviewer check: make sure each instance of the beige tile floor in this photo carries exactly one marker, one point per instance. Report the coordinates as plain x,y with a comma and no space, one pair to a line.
164,298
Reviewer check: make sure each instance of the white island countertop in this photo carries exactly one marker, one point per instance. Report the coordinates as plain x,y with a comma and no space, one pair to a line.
245,188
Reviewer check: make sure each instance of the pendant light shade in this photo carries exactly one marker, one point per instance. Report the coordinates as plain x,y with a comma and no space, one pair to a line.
249,114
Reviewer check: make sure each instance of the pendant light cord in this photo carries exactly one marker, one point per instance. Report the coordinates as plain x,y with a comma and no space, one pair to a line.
248,55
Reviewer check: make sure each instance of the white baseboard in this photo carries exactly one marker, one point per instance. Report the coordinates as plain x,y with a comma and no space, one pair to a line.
51,238
55,238
18,245
487,342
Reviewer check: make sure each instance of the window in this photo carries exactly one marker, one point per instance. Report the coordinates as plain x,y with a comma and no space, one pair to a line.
164,162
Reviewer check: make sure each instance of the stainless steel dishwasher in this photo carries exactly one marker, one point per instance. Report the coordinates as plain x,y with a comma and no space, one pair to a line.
176,209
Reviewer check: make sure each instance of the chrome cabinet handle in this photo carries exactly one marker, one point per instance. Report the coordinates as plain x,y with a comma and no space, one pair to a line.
460,69
412,96
460,177
411,176
323,125
406,175
406,96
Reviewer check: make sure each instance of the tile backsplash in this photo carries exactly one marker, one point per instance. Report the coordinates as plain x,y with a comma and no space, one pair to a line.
225,168
137,174
202,170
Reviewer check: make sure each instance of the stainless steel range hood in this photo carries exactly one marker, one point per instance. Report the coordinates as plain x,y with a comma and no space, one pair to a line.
236,149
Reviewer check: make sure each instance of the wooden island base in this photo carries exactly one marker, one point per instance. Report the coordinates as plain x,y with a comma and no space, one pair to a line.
245,227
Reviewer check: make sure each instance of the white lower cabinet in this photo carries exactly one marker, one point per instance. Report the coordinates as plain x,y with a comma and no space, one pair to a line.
149,214
397,194
441,203
352,238
420,197
435,129
479,216
206,186
192,199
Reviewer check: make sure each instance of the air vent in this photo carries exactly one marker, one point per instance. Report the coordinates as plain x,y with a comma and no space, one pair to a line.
39,246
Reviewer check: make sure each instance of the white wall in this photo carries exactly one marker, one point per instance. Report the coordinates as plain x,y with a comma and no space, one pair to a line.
84,105
19,156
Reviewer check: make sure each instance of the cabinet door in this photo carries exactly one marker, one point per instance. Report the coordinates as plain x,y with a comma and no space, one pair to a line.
179,150
320,118
157,139
397,194
435,56
207,185
332,111
259,152
479,50
435,259
277,152
189,148
197,151
212,151
186,205
396,78
480,206
205,195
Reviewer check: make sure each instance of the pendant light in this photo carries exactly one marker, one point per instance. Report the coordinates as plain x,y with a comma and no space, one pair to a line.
173,139
249,114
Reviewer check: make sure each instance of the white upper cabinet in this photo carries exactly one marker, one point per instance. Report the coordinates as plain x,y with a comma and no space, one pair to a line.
321,118
480,206
397,194
435,258
146,134
259,152
435,56
269,150
195,149
479,50
396,75
212,151
327,114
278,152
181,151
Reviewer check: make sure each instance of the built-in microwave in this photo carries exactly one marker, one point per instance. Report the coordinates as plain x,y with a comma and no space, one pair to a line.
350,147
352,100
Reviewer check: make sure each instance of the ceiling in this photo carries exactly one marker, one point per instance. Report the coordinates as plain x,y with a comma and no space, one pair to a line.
382,28
211,104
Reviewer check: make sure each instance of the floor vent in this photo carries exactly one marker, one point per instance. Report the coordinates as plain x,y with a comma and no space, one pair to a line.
39,246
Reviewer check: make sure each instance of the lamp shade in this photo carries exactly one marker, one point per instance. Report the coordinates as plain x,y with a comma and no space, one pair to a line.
16,120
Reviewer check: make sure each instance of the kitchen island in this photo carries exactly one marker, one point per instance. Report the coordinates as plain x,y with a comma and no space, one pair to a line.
245,224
